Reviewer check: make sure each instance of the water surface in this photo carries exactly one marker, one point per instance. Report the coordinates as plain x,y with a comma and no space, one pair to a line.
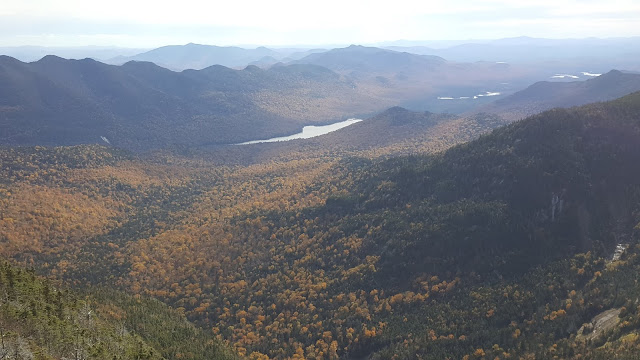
308,132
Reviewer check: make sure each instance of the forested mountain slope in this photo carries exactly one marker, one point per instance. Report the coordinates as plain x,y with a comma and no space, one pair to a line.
500,247
579,159
41,321
142,106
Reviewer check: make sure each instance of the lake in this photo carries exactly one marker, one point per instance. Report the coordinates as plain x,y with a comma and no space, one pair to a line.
486,93
308,132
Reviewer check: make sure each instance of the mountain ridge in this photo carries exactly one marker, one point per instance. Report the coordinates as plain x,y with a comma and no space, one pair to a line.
198,56
141,106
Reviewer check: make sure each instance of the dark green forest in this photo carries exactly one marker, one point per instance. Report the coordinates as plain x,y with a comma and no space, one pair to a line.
39,320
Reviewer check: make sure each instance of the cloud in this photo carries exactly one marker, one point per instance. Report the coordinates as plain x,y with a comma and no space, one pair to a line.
270,14
154,22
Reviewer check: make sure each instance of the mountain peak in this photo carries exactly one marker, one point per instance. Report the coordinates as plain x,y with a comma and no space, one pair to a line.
613,72
395,110
252,68
137,64
50,58
8,59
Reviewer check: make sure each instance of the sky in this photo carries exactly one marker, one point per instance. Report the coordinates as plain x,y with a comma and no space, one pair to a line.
152,23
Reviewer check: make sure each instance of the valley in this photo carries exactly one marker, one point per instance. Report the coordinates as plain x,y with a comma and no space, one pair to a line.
327,256
351,203
141,106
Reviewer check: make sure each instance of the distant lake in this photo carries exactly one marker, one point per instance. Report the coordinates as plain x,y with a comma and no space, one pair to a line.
486,93
308,132
569,76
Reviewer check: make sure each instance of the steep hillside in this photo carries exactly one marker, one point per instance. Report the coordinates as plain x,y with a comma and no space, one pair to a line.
40,321
578,157
501,247
413,241
545,95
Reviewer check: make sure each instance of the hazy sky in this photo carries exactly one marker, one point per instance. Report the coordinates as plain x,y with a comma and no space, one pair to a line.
151,23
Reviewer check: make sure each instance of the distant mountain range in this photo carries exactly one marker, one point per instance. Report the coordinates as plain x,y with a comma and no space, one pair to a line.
568,54
420,82
142,106
35,53
196,56
356,58
597,55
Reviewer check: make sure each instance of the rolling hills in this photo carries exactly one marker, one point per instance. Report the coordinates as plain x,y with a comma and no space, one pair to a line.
35,53
199,56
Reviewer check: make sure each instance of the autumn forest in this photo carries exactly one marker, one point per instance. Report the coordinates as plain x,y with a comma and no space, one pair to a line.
426,247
